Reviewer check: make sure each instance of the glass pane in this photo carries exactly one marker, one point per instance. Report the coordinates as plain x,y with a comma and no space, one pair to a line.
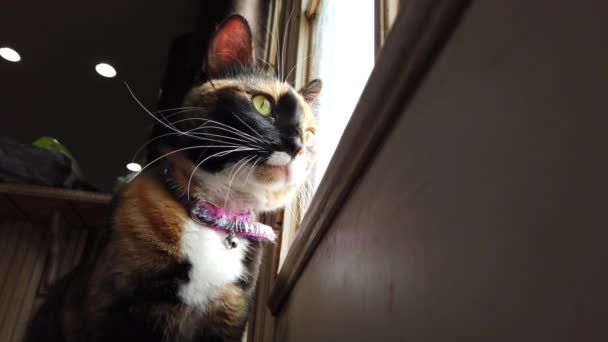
344,58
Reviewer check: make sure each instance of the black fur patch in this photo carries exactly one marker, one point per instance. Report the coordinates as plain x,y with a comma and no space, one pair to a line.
135,314
228,108
251,261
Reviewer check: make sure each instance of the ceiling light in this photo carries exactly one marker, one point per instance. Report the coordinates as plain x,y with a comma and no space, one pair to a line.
134,167
105,70
9,54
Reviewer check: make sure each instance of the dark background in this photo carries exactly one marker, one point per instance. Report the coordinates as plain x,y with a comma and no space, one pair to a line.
55,90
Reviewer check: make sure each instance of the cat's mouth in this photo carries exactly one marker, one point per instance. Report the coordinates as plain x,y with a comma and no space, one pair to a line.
278,169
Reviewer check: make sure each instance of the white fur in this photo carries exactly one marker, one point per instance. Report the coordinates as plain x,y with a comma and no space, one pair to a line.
278,159
297,170
216,187
213,265
245,191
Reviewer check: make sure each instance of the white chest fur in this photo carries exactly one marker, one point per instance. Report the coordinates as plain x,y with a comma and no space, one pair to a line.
213,265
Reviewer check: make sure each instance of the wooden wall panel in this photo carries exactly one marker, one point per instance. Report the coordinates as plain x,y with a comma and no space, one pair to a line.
24,255
43,233
483,215
28,305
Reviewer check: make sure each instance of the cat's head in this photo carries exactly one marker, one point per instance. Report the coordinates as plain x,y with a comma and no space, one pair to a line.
247,138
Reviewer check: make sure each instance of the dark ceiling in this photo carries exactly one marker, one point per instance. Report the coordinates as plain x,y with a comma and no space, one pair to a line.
55,90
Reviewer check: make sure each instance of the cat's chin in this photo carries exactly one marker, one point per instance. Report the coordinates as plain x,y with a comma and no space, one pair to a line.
242,193
263,189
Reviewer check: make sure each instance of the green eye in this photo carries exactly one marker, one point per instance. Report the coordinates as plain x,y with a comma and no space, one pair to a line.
262,104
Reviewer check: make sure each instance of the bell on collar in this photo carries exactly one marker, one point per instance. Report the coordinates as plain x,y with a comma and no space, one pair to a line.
231,241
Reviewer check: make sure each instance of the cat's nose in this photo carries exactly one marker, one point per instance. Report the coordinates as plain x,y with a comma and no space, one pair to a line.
293,146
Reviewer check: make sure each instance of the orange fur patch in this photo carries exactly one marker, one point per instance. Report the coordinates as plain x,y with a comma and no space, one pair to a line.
228,312
148,218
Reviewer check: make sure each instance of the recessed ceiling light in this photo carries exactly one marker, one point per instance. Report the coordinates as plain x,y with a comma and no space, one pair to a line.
134,167
9,54
105,70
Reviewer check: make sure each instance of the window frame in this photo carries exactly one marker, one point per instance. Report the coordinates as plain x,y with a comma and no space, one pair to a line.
291,28
421,28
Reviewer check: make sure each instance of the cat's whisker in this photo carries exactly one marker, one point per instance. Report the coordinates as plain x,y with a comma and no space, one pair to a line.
177,130
167,117
225,137
219,154
180,150
282,73
180,134
230,175
249,141
251,170
176,108
235,165
150,141
182,120
231,129
230,180
229,143
196,136
148,111
238,131
269,65
171,125
295,66
276,44
204,126
244,123
190,133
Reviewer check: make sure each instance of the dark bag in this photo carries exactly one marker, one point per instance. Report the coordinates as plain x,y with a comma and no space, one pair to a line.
27,164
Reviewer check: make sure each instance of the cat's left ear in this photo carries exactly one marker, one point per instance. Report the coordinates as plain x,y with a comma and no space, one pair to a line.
311,90
230,45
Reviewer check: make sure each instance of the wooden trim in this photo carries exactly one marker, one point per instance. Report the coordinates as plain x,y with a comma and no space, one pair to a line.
271,50
290,25
379,25
385,13
420,31
312,9
54,193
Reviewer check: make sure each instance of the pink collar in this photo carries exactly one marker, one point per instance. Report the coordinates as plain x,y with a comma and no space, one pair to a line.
236,223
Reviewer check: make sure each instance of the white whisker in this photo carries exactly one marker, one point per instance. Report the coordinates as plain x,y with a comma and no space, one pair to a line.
251,170
282,73
231,179
225,137
276,44
219,154
150,113
244,123
231,129
148,142
180,150
295,66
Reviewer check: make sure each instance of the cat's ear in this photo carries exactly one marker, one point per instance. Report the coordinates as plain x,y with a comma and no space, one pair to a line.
311,90
230,45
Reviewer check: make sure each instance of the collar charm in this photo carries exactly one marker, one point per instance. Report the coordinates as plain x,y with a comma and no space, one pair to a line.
235,223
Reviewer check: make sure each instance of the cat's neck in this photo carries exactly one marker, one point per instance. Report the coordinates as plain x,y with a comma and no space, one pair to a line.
201,186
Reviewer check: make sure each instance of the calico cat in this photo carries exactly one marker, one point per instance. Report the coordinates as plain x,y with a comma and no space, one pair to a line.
180,260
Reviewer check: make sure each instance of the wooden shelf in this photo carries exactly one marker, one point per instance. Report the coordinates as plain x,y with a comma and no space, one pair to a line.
37,204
